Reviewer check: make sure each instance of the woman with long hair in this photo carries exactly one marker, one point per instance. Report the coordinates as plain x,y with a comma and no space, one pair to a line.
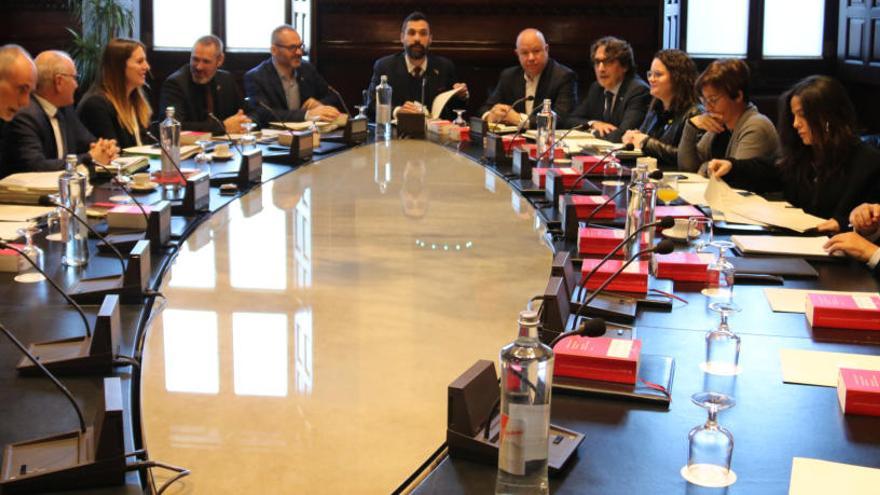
823,166
672,77
115,107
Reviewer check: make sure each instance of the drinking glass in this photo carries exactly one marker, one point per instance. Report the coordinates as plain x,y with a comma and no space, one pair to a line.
29,274
699,233
248,139
720,276
710,446
53,225
722,344
362,111
459,120
121,181
668,190
612,173
203,158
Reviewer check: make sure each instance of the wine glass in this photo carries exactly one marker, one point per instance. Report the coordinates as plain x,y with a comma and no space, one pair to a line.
668,190
699,233
203,159
29,274
121,180
720,277
612,172
248,138
459,120
722,344
710,446
53,224
362,111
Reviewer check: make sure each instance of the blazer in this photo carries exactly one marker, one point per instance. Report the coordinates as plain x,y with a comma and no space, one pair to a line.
857,182
664,132
98,115
440,77
629,109
31,142
558,82
262,84
188,99
753,136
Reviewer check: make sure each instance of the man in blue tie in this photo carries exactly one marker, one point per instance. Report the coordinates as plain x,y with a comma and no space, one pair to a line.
47,129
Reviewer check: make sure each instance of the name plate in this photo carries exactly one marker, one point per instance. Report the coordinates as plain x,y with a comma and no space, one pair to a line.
355,130
197,196
251,169
302,145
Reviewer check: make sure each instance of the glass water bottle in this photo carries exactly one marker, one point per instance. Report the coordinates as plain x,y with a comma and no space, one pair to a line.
641,200
169,134
72,194
383,109
546,138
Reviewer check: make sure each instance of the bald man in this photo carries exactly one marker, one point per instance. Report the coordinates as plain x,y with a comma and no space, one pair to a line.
537,75
18,76
47,129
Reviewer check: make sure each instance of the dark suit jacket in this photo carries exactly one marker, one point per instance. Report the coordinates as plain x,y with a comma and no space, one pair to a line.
629,109
98,115
664,132
439,78
558,82
188,99
31,142
857,182
262,83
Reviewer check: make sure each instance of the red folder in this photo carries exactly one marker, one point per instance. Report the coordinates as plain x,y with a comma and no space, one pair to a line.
598,358
858,391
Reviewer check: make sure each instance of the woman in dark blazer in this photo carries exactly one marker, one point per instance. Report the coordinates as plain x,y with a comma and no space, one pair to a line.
115,107
824,168
672,77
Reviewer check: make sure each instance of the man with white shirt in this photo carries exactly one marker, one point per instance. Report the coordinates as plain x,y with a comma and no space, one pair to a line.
46,130
537,76
416,77
861,242
17,79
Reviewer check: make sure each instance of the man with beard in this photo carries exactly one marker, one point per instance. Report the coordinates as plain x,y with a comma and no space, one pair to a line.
18,76
415,76
293,89
201,88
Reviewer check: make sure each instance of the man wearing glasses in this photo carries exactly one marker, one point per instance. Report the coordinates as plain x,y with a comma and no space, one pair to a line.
538,76
47,129
619,99
293,89
200,89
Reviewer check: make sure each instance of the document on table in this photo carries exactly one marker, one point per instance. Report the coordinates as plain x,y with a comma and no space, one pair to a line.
821,368
22,213
794,300
723,198
755,209
780,244
440,101
817,477
9,230
186,151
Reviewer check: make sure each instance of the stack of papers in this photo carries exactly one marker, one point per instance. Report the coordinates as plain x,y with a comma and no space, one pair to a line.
30,187
128,164
779,244
154,150
753,209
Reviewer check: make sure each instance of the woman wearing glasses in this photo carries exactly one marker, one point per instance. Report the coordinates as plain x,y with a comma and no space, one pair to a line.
115,107
730,127
671,78
823,168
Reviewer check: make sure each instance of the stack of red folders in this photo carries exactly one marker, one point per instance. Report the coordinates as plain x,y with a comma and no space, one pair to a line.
598,358
843,311
569,176
681,266
558,152
633,279
858,391
600,242
11,261
510,143
585,204
585,162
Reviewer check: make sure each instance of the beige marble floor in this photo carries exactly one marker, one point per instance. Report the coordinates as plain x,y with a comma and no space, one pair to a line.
312,327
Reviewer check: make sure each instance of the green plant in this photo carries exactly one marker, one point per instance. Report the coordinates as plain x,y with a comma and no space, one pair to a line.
101,21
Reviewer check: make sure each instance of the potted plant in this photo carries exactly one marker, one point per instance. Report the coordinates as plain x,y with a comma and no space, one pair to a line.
101,21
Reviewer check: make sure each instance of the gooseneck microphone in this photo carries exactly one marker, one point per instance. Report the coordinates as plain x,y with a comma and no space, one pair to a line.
522,125
663,223
341,99
167,154
515,103
271,110
592,327
564,135
236,145
82,314
625,147
663,247
38,364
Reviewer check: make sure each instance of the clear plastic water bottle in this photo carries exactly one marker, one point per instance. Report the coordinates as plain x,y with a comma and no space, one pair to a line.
72,194
383,109
526,381
169,134
546,139
641,200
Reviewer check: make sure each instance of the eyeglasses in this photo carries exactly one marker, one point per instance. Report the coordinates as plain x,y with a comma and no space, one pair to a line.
606,61
72,76
710,101
293,48
654,73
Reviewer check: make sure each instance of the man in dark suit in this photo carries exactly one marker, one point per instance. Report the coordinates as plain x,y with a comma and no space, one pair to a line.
415,76
18,76
537,75
201,88
45,131
618,100
293,89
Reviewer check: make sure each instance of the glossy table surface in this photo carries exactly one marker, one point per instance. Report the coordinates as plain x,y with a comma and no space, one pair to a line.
312,326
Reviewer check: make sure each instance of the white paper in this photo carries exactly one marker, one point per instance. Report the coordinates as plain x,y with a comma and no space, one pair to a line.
440,101
780,244
31,182
794,300
724,199
754,209
9,230
154,150
821,368
22,213
817,477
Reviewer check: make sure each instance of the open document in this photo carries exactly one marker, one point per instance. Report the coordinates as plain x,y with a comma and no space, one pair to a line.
754,209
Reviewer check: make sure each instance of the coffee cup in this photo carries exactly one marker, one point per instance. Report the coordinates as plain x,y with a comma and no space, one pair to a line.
221,149
141,179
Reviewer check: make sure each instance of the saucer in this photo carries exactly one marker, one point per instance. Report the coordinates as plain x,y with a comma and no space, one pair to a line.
230,156
149,186
676,234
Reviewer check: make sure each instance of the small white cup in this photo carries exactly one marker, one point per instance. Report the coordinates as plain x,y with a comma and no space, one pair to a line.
221,149
141,179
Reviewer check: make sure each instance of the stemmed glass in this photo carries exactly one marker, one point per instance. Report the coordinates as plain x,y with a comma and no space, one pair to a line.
248,138
720,276
612,172
668,190
459,120
722,344
29,274
710,446
203,159
122,181
699,233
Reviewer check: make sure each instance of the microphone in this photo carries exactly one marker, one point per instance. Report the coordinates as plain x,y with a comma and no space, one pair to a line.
593,327
515,103
237,145
167,154
625,147
48,202
82,314
38,364
522,125
271,110
341,100
663,247
424,81
664,223
565,135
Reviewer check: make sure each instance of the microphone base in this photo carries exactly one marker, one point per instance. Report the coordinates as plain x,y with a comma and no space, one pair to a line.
609,307
130,287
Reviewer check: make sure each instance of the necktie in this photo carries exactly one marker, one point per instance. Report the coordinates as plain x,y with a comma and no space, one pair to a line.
609,103
417,72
